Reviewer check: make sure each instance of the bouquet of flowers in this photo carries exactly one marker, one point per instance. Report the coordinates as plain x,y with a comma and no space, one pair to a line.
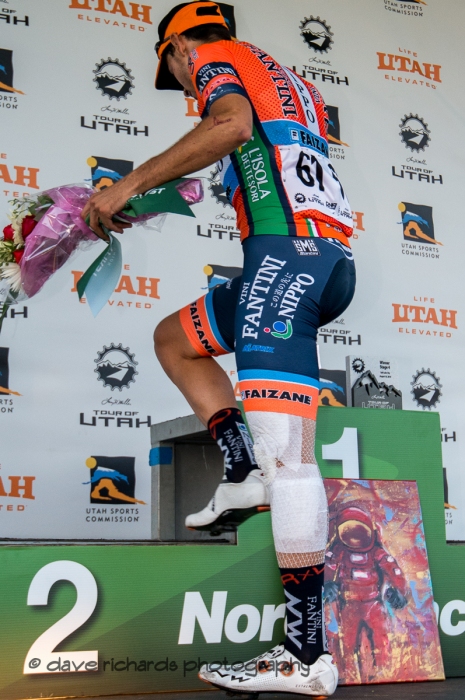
46,229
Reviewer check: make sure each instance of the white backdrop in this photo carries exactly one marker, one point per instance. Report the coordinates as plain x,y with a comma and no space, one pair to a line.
383,66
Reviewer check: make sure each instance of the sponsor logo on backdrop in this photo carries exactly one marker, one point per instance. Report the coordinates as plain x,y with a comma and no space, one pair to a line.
116,367
113,13
114,81
19,312
447,436
112,482
15,487
336,334
10,16
332,388
372,383
424,317
6,392
131,288
219,231
336,145
8,93
106,171
415,136
357,217
407,67
418,231
319,39
448,507
414,132
216,188
426,389
218,274
17,176
316,34
413,8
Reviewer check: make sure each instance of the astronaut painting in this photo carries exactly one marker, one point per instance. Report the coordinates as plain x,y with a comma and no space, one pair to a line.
380,620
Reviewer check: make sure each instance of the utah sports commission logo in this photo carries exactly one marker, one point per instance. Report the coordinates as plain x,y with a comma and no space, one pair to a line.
113,79
414,132
112,479
116,367
426,389
106,171
316,34
417,223
334,127
6,72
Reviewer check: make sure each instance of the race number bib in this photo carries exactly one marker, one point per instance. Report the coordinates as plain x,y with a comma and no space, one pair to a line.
311,182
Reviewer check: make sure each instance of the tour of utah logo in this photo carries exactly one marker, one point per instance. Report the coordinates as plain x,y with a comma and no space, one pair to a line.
418,231
106,171
414,132
426,389
316,34
318,37
219,194
113,79
112,480
415,136
116,367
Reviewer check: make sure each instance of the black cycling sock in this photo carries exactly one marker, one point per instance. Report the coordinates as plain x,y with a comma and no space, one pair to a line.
227,427
303,589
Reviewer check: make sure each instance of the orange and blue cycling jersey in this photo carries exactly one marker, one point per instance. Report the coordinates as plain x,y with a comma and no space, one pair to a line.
281,182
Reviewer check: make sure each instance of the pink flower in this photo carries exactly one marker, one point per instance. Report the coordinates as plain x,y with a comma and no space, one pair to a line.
8,233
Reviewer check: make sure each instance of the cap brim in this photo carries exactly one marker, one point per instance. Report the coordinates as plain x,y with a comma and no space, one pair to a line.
164,79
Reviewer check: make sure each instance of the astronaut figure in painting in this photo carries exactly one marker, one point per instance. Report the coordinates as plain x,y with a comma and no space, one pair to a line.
369,578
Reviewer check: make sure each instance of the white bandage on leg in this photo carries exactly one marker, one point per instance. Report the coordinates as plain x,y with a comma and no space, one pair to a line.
284,451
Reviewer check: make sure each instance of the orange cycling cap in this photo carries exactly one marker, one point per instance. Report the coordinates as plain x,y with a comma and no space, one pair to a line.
178,20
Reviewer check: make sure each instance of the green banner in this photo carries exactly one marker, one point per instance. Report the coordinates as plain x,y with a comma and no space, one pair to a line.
144,617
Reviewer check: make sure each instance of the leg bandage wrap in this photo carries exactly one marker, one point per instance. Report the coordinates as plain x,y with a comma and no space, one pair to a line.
284,451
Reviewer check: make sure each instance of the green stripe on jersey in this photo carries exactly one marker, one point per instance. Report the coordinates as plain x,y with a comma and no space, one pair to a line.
266,210
312,232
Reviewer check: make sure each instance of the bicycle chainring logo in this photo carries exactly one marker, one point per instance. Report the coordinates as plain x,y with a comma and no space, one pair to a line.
426,389
219,194
316,34
414,132
116,367
113,79
358,365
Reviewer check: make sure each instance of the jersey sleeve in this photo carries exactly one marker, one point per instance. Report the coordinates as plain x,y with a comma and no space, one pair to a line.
214,74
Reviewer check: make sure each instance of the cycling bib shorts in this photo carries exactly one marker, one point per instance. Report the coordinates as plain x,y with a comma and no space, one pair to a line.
270,315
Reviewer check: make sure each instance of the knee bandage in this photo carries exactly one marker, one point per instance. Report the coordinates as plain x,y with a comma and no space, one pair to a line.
284,451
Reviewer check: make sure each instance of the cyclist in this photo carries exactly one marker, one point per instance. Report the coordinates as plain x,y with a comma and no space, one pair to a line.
268,129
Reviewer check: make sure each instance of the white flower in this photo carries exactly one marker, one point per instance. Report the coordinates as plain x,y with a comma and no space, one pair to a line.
17,223
12,273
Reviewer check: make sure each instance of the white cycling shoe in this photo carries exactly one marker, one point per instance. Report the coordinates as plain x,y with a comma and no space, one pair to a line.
232,504
276,671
